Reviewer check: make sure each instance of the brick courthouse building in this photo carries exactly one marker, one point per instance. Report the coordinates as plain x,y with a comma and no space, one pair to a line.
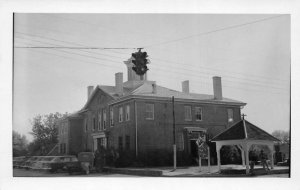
136,117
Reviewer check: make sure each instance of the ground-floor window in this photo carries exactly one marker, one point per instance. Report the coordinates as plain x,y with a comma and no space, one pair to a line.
120,143
180,142
127,142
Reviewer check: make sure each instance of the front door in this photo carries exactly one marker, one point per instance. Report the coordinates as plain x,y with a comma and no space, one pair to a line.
194,151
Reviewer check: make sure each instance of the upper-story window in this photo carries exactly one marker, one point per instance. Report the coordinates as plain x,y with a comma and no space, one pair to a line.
111,116
104,119
120,114
99,121
150,111
187,113
230,115
94,123
86,125
198,113
127,112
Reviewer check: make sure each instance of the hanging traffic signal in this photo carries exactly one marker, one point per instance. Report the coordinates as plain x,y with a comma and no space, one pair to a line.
140,62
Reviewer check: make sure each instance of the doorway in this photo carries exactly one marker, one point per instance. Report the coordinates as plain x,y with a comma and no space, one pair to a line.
194,152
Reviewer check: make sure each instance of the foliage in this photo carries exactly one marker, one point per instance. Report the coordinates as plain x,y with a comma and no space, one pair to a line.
230,155
283,136
19,144
45,133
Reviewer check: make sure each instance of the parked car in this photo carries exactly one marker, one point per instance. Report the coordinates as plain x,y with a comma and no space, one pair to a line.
84,164
29,162
60,163
17,161
42,162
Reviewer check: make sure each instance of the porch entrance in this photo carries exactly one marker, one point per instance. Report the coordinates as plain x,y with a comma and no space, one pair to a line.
194,151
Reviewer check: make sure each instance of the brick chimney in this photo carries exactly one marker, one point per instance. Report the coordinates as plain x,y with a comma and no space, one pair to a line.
89,91
119,83
154,88
185,86
132,76
217,84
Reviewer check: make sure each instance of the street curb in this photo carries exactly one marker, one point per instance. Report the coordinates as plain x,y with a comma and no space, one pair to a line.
139,172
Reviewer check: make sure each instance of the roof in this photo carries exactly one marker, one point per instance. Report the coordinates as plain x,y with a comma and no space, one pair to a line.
244,130
145,89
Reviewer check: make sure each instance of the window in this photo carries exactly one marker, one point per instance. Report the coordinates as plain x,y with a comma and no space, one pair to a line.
127,142
111,116
120,114
150,111
104,119
198,113
120,143
94,124
230,115
187,113
180,141
103,142
99,121
86,125
127,112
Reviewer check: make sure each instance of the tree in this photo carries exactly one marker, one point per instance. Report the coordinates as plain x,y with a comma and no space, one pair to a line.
20,144
45,133
283,136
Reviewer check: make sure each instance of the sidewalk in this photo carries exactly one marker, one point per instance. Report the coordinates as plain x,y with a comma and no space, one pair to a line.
227,171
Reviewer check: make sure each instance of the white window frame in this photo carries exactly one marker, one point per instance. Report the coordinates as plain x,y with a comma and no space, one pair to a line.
188,115
201,113
149,111
111,116
127,113
228,116
120,114
104,119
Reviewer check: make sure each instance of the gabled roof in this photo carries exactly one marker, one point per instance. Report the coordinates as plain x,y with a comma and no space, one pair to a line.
244,130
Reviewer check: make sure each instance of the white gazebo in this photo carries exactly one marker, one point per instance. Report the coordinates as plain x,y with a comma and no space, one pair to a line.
244,134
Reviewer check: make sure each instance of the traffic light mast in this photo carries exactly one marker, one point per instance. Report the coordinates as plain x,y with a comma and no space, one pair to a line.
140,62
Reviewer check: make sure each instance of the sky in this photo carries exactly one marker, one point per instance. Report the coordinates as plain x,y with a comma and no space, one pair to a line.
250,52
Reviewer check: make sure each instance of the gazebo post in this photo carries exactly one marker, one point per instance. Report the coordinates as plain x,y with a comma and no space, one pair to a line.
271,147
245,146
242,153
218,148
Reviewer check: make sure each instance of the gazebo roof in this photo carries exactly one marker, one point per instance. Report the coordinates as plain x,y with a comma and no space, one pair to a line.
244,130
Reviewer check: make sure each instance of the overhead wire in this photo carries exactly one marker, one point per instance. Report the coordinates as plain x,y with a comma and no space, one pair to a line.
213,31
175,77
265,78
196,76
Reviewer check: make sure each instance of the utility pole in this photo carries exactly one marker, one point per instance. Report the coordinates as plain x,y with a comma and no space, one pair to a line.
174,134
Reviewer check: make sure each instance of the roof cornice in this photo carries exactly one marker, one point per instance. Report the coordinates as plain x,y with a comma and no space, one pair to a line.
129,97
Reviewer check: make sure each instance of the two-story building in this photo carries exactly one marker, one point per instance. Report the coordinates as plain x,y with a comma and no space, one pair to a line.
137,116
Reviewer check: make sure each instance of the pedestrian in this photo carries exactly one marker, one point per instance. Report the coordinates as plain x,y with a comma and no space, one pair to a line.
252,162
263,158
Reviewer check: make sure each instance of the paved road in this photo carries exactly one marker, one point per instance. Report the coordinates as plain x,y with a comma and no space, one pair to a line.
33,173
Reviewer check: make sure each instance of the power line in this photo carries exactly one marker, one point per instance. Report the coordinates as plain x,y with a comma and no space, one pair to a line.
264,78
54,47
191,74
213,31
118,67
